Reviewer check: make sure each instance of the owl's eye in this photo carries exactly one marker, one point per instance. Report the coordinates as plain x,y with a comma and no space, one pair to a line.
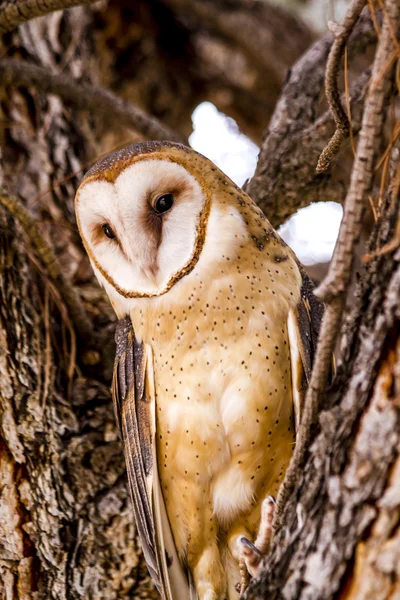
164,203
108,231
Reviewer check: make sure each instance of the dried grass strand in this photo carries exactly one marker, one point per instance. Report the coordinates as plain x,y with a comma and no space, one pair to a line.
67,291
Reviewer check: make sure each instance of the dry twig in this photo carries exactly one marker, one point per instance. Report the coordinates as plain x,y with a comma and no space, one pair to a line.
13,14
85,97
342,34
354,101
67,291
285,179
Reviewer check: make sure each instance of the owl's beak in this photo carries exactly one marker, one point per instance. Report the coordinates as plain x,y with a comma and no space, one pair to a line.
149,273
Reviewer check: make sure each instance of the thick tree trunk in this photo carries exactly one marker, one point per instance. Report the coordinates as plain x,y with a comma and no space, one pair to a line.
66,526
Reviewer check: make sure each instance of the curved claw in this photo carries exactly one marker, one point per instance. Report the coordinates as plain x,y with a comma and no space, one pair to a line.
251,555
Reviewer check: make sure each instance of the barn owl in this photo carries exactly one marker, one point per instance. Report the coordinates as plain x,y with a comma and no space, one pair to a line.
217,332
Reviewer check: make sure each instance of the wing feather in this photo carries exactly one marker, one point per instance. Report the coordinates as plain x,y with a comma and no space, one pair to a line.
303,329
134,401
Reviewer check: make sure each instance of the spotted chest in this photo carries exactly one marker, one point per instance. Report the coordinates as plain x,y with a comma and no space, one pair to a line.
223,386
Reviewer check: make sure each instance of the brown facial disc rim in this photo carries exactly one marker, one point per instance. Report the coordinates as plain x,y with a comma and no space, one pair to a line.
201,229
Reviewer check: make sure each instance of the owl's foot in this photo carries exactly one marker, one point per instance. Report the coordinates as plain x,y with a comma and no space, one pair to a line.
251,555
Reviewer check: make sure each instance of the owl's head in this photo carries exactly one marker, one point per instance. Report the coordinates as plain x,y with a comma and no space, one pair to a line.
142,213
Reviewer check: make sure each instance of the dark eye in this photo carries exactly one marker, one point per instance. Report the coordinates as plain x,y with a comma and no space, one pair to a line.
164,203
108,231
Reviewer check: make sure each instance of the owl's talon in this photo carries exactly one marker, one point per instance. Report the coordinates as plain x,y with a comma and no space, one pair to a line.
251,555
265,529
250,547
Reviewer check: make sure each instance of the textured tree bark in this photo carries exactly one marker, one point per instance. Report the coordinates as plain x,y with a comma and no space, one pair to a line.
66,527
337,530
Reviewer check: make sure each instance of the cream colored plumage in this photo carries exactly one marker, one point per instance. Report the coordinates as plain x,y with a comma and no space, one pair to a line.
218,306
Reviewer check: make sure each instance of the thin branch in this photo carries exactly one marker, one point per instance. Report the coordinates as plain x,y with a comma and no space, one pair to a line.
319,130
14,13
85,97
285,179
67,291
298,156
340,270
347,102
342,34
334,287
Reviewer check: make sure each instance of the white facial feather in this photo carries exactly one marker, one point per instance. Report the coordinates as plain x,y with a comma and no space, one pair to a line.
134,263
225,231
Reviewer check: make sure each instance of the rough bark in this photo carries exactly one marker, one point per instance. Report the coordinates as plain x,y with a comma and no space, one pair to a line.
86,97
66,528
16,12
338,508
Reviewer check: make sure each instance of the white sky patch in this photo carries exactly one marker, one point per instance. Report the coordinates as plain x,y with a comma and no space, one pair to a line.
218,137
312,232
317,13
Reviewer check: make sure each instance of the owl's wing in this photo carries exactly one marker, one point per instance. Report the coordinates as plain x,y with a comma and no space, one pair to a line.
134,406
303,328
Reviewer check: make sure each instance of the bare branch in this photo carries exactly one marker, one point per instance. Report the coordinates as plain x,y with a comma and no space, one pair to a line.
67,291
14,13
85,97
285,179
342,34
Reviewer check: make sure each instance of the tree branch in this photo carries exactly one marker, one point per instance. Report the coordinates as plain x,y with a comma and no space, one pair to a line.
342,34
85,97
343,513
14,13
285,179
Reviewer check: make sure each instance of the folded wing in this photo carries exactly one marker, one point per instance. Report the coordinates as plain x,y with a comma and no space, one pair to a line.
134,400
303,327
